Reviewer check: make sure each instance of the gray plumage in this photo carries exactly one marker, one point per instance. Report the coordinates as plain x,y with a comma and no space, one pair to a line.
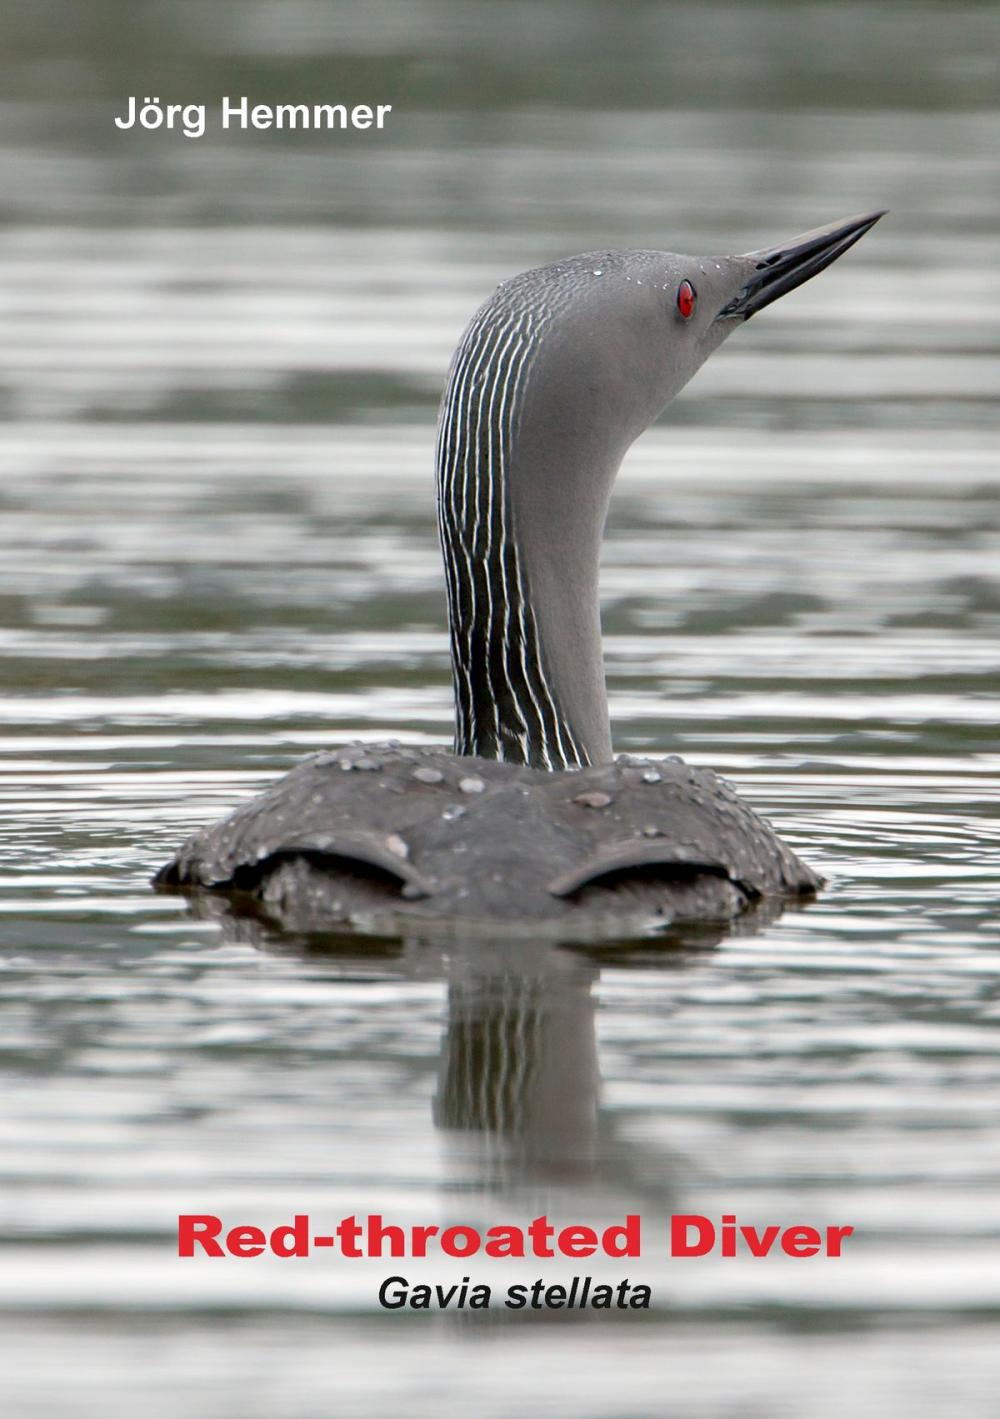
383,835
555,377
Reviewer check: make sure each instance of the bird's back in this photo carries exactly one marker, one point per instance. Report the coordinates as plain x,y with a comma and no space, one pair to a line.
379,835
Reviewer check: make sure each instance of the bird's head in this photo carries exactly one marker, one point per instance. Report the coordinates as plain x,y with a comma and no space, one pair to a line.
626,330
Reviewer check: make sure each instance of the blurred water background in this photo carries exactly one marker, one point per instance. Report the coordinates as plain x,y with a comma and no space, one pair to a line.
218,380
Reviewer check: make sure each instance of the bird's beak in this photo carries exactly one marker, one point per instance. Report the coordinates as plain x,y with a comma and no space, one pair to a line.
779,269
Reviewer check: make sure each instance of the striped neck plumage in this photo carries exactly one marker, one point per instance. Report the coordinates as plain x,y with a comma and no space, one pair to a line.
508,699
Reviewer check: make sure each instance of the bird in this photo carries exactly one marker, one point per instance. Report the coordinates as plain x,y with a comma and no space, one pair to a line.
531,822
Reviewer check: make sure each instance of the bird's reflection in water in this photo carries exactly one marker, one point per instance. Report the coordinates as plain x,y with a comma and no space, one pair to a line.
519,1074
519,1060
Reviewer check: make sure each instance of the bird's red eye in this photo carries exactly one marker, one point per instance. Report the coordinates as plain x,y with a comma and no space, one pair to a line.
686,297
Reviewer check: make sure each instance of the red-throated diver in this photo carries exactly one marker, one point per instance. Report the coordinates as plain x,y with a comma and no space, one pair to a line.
557,374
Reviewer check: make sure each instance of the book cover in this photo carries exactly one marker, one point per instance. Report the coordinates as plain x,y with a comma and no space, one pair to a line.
522,1080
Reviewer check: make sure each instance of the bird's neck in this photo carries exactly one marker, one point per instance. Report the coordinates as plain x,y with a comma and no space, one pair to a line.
526,657
521,568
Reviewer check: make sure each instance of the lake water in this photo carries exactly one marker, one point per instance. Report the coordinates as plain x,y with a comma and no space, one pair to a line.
218,553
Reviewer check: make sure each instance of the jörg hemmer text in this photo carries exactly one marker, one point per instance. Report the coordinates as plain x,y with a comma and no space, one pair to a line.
191,119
